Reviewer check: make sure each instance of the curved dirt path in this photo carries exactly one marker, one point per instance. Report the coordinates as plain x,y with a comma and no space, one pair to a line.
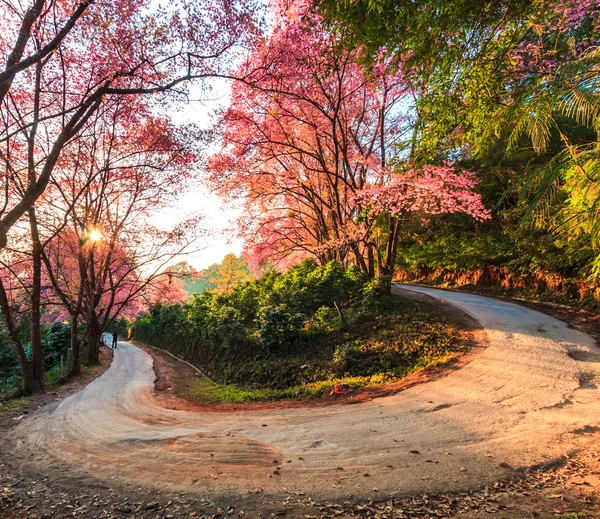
529,398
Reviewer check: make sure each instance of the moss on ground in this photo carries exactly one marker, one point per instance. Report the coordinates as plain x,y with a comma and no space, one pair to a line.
14,405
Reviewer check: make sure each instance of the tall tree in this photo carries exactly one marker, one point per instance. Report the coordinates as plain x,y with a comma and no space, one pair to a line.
132,165
64,64
306,136
231,272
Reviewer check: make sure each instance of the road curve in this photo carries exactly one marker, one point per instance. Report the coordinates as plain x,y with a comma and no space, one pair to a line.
528,398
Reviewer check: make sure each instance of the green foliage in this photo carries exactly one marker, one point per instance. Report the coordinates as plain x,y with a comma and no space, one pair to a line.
14,405
282,336
56,342
10,375
512,90
264,316
231,272
345,355
278,327
374,293
325,319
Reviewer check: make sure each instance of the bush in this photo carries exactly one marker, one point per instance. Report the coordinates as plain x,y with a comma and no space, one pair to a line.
57,342
258,319
325,320
374,292
344,356
279,327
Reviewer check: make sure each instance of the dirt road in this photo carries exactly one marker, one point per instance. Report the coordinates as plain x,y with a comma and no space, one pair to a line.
527,399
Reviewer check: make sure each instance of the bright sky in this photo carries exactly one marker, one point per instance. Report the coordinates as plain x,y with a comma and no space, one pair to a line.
219,220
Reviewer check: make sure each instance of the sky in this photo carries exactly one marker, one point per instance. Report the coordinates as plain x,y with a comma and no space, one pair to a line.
219,218
218,223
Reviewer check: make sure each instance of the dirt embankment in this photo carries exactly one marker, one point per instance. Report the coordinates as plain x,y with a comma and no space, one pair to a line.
492,280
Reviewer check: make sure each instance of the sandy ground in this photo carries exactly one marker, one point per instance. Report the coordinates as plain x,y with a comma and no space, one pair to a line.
527,399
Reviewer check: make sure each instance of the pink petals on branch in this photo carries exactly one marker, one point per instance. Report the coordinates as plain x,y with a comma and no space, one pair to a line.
431,189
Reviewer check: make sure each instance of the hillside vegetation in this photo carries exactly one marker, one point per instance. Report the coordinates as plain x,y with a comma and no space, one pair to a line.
298,334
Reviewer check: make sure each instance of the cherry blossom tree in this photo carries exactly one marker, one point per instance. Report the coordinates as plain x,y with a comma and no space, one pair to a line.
306,132
66,61
313,144
108,258
89,250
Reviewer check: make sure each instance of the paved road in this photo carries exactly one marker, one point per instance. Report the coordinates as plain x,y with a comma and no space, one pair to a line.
528,398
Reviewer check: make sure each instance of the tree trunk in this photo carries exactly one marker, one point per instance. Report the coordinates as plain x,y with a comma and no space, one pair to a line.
93,340
370,262
388,265
75,351
37,358
360,260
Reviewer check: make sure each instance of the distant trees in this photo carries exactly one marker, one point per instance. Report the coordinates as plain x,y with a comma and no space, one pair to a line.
220,277
232,271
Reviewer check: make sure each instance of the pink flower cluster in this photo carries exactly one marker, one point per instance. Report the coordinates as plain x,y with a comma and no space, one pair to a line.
431,189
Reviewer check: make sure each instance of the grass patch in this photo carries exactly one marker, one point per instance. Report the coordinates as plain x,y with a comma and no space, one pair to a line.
578,515
201,390
14,405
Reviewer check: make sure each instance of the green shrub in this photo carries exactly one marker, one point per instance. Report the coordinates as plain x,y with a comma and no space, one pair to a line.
279,327
374,293
236,337
325,320
344,355
57,342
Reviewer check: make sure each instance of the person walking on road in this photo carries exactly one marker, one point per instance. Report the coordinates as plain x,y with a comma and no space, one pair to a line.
115,337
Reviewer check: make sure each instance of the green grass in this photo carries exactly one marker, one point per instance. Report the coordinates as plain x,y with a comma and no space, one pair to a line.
579,515
15,405
202,390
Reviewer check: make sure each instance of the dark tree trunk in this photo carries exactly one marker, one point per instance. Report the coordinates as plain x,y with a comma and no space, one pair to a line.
75,350
37,358
387,265
360,260
93,339
370,262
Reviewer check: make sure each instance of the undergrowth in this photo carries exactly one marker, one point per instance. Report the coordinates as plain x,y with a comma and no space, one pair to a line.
292,343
